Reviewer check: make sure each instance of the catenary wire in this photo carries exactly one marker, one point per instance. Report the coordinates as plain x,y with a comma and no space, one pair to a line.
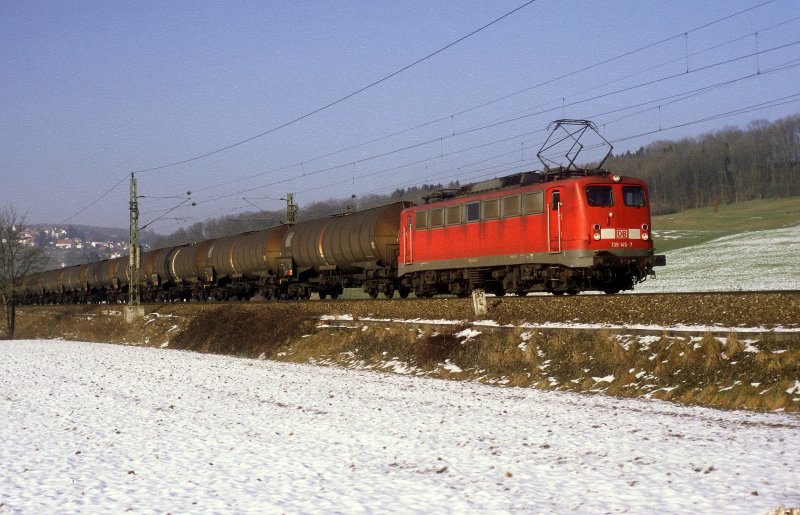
504,97
713,22
502,122
342,99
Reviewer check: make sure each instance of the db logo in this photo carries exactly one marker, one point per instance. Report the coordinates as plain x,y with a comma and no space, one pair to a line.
622,234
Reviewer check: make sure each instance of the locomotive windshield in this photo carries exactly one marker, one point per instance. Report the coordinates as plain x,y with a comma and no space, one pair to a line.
600,196
634,196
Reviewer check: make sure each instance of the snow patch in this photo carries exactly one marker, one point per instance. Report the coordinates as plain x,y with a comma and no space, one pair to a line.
90,427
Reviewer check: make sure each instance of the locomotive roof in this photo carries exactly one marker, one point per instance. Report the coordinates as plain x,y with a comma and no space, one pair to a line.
512,181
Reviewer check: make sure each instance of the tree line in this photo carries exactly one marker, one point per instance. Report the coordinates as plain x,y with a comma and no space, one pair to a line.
722,167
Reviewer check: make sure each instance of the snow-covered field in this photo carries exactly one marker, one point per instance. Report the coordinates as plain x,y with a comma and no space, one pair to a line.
761,260
104,428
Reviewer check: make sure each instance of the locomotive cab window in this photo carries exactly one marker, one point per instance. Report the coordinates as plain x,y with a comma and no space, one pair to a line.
600,196
473,212
633,196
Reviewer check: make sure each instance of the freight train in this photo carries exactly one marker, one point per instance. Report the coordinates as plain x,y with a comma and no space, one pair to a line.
563,230
558,231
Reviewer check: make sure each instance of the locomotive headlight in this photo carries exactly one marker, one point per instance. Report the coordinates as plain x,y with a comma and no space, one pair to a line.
597,236
616,178
645,236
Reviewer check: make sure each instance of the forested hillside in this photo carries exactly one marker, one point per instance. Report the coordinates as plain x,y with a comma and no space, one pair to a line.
728,166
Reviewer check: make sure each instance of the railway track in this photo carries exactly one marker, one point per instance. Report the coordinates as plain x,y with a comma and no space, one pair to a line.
763,310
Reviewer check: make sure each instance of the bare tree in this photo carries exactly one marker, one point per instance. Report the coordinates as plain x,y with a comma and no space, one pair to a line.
17,259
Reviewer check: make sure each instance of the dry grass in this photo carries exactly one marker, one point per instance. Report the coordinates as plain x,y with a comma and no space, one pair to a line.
242,333
709,370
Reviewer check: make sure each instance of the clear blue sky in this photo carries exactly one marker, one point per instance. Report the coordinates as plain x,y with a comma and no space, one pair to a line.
93,90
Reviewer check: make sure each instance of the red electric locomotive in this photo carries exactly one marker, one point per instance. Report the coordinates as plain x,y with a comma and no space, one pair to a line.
563,231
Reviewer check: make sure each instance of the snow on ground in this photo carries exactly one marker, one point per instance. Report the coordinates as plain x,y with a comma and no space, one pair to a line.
761,260
104,428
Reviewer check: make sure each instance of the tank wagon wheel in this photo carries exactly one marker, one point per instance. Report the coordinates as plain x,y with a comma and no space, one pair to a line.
404,292
611,290
389,293
373,293
573,291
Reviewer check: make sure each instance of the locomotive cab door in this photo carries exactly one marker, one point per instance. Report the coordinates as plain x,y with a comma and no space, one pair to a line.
554,220
408,242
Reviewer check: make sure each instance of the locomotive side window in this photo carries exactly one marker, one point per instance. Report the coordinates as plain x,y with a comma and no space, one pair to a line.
491,209
454,215
511,206
422,220
556,201
600,196
633,196
533,203
436,217
473,212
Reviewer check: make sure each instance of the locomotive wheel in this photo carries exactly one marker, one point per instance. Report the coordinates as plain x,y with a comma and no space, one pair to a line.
403,292
611,290
558,292
373,293
572,291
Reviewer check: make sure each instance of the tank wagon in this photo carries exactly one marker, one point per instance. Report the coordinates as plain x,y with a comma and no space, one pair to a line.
322,256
